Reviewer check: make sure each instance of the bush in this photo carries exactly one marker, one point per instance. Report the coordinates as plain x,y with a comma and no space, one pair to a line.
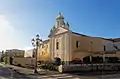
6,59
48,65
57,61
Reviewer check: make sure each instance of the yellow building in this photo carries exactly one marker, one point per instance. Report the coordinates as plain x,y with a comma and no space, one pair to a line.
44,51
68,45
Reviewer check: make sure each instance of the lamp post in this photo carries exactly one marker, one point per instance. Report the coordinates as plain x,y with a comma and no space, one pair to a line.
36,42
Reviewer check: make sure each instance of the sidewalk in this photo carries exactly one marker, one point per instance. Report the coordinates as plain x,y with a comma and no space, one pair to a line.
2,64
27,71
44,73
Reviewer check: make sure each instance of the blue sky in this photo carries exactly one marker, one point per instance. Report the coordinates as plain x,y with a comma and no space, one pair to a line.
25,18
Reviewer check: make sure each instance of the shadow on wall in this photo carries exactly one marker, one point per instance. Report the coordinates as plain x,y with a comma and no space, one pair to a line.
76,61
99,59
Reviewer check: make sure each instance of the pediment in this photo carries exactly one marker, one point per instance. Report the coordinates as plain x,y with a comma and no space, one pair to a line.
58,31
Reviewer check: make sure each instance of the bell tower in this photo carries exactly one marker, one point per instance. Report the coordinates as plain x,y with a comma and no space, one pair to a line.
59,20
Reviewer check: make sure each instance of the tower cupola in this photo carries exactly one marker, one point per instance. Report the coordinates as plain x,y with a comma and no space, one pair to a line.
59,20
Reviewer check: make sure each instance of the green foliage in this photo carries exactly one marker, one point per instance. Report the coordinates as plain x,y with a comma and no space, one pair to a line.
6,59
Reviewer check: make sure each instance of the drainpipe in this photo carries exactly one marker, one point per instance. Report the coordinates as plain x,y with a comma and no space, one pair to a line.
104,53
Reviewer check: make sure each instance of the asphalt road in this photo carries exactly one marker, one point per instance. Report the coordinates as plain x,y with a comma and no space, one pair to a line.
5,73
99,75
10,73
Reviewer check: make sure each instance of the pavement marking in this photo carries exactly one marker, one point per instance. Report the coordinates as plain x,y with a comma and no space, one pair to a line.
3,78
114,78
50,78
57,76
76,78
69,76
43,77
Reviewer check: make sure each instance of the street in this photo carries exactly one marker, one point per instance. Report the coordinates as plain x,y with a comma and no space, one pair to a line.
4,73
7,73
12,72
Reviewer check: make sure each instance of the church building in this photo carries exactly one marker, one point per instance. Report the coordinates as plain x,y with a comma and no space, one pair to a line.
67,45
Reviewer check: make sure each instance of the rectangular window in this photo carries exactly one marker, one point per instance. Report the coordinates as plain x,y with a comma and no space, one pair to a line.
77,44
57,45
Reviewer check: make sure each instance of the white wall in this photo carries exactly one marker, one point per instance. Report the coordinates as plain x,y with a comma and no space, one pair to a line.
28,53
117,44
109,45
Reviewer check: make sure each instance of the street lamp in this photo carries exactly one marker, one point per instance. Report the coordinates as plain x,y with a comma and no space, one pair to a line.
36,42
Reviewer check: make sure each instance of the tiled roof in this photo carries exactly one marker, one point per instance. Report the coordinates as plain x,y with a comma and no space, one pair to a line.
80,34
116,39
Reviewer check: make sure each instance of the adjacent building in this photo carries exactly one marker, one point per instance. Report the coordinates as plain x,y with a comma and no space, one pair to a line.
29,53
15,53
44,51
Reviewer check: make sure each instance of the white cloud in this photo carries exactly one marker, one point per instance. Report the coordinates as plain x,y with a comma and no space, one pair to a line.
9,37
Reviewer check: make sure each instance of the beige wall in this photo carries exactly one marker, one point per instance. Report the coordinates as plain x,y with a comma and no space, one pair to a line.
85,43
118,54
24,61
63,51
80,55
44,52
85,48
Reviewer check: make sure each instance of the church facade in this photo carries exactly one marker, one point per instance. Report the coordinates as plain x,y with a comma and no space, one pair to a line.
67,45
